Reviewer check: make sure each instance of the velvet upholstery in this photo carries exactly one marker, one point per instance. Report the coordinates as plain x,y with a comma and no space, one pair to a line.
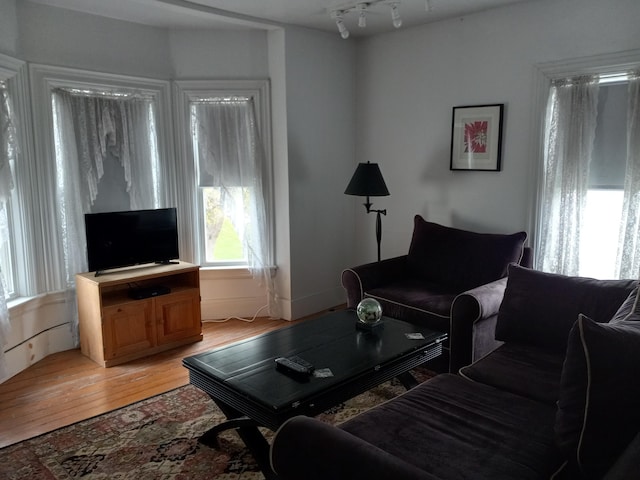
443,262
443,427
459,259
599,402
312,450
540,308
524,410
520,369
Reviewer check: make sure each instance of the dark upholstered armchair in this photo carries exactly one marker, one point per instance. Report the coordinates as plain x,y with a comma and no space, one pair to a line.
426,285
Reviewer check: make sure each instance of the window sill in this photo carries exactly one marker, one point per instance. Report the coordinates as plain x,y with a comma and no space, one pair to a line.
235,272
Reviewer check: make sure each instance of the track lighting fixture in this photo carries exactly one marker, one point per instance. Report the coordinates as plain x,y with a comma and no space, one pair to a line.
362,16
395,16
340,9
342,29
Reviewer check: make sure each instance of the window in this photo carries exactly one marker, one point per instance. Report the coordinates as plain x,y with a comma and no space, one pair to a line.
224,130
229,147
591,191
8,150
603,209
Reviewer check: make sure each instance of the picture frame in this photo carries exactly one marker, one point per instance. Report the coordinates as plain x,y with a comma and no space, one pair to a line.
476,137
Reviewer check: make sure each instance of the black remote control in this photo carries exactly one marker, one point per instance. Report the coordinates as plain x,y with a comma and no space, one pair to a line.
287,365
302,361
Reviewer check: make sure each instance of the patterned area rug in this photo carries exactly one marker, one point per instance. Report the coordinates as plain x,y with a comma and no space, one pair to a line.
155,439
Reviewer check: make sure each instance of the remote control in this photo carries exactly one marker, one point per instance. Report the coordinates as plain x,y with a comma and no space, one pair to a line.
302,361
287,365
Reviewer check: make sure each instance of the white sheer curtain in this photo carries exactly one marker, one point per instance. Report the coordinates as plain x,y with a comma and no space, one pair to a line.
88,127
8,150
628,264
231,154
569,135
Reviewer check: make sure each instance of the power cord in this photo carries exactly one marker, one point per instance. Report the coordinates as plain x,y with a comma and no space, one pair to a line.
239,318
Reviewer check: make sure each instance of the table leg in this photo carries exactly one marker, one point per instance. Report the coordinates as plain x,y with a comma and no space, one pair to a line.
408,381
249,433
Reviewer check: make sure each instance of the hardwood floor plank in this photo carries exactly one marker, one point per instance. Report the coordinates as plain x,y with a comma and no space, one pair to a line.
67,387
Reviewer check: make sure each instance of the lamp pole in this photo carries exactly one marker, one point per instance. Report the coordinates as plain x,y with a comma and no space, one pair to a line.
378,222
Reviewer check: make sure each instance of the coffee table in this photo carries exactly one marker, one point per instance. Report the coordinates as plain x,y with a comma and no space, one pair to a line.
242,380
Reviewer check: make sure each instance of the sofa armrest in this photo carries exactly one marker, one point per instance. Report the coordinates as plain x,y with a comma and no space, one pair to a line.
473,319
626,465
362,278
304,447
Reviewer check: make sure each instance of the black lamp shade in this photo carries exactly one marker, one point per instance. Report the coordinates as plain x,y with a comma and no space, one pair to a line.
367,181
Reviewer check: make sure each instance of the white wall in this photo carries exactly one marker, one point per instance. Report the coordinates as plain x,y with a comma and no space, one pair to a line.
320,91
54,36
8,27
409,80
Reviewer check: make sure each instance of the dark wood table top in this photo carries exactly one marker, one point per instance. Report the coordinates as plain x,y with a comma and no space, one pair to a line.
247,369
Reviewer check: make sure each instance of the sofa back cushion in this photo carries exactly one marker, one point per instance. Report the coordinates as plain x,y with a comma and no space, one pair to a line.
539,309
460,259
598,412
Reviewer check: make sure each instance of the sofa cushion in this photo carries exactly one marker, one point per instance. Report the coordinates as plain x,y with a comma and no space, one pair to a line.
630,309
598,412
461,259
449,426
539,308
520,369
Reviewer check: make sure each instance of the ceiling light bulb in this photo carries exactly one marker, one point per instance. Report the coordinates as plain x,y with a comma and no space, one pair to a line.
362,18
344,33
395,16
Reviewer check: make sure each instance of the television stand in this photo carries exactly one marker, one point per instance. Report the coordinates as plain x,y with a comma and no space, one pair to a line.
115,328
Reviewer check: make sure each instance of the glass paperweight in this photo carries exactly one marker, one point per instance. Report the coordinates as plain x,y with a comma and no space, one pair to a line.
369,313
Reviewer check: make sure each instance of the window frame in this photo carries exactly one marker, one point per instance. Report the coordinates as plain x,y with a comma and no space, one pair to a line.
20,211
544,74
45,78
186,91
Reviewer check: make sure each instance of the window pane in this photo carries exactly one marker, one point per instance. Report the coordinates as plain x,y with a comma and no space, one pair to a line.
224,219
6,265
600,233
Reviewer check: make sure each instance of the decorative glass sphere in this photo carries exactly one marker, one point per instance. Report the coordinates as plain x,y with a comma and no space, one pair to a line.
369,311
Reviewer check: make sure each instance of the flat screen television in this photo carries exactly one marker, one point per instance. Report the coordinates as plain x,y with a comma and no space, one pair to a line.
122,239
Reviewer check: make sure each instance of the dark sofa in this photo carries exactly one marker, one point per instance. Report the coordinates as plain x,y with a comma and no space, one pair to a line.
422,286
558,399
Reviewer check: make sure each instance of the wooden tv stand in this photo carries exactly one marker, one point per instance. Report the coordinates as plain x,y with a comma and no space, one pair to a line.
115,328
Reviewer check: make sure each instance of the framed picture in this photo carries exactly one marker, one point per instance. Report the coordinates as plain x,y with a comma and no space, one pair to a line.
476,137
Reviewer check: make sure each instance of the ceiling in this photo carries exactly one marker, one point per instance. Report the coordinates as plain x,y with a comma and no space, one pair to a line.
251,13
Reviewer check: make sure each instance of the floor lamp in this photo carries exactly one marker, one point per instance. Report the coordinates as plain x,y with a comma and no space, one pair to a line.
367,182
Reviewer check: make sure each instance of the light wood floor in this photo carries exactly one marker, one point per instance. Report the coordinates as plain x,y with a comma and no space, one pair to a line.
68,387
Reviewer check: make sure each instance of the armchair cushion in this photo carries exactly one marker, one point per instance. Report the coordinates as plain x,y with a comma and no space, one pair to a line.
598,414
461,259
539,309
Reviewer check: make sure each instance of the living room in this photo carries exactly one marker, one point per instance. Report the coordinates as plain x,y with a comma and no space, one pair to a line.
386,99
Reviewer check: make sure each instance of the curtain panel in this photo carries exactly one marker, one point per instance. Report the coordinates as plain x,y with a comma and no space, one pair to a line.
569,136
8,151
230,154
87,129
628,259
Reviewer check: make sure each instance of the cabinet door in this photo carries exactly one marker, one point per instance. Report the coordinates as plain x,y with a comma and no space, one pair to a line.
178,316
128,328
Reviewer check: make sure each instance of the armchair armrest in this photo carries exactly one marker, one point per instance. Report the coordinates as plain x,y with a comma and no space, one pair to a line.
473,319
362,278
304,447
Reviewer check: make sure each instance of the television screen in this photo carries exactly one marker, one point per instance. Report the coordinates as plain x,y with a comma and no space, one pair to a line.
122,239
